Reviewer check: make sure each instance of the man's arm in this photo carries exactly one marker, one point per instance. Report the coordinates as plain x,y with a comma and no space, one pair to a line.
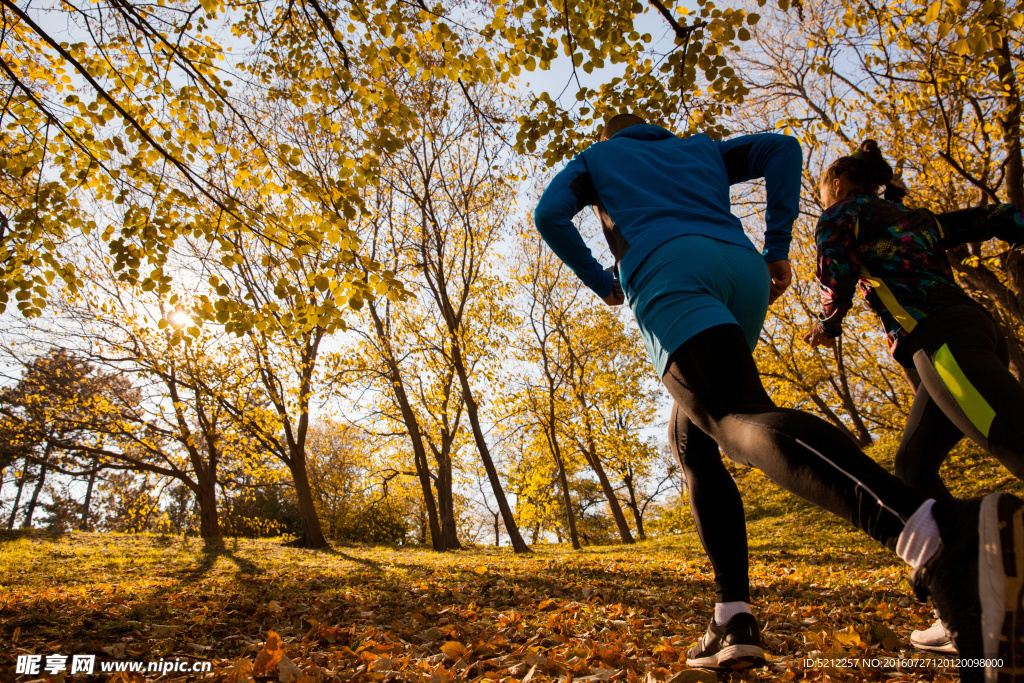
564,197
981,223
779,160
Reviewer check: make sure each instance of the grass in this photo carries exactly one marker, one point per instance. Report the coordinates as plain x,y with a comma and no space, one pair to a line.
389,614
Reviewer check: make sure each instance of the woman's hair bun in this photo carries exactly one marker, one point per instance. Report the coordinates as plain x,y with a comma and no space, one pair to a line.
877,170
865,168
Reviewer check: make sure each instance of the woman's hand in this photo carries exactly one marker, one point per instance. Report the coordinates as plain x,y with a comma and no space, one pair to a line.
816,337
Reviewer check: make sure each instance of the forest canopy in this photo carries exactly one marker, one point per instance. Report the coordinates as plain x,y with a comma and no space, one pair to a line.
270,267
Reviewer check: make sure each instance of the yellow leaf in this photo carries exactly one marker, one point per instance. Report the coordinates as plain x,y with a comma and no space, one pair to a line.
848,637
269,656
454,649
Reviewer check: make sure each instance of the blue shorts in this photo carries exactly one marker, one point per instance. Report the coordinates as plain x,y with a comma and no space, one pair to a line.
692,283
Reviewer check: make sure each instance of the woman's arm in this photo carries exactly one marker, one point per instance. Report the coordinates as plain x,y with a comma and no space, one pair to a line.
838,268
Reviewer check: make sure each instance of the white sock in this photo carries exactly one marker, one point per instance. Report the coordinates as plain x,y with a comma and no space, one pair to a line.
724,611
920,537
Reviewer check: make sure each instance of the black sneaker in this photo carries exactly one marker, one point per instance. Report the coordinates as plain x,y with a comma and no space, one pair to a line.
735,646
976,582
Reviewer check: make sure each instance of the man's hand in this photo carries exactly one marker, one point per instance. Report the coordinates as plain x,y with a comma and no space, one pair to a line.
782,276
616,298
817,337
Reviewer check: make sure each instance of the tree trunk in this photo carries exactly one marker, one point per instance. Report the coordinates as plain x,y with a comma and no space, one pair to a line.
570,514
1010,122
412,428
497,530
552,436
17,497
312,534
39,487
518,545
446,505
423,474
87,505
590,453
1014,164
635,507
209,518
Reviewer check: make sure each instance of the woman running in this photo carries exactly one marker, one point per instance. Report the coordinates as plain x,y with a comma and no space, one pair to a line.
897,257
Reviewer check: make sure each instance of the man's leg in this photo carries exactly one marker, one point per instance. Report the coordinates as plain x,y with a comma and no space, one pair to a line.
733,640
967,556
716,506
714,380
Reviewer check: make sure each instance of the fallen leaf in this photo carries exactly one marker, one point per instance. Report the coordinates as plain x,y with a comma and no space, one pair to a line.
432,633
848,637
163,631
127,677
240,670
886,637
519,669
455,650
533,659
287,672
694,676
116,651
269,656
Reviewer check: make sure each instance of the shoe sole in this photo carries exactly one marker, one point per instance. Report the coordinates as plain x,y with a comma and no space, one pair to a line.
734,658
946,648
1001,586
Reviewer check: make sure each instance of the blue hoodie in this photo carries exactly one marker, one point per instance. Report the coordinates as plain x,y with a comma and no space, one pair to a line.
649,186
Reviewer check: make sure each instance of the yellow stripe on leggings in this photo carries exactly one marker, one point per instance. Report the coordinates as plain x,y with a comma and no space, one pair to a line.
970,400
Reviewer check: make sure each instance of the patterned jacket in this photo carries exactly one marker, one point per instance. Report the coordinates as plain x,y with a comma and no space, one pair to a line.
897,258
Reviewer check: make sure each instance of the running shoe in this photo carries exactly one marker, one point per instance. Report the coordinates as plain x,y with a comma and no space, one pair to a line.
736,645
976,582
935,638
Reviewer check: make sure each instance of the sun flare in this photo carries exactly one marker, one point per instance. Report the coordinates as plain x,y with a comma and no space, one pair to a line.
179,318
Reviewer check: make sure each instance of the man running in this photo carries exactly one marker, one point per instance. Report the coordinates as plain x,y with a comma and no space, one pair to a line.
699,291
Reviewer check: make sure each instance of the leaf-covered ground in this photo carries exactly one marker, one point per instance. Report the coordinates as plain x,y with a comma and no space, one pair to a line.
260,609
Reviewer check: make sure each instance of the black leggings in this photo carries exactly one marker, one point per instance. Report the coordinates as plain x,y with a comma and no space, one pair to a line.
718,394
966,389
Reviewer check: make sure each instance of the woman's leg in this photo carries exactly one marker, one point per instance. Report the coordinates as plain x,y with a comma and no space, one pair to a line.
961,356
927,439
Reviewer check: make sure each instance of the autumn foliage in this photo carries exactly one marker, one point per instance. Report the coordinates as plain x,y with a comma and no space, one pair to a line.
268,271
